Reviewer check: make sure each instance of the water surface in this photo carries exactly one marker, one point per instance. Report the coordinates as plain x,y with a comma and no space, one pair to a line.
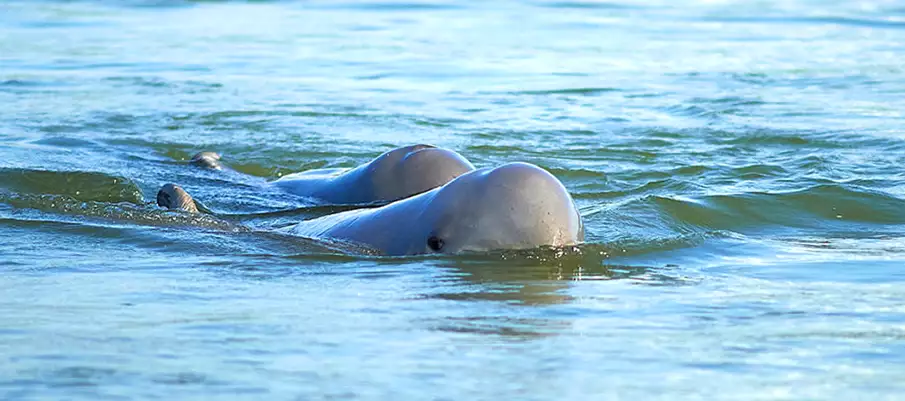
737,165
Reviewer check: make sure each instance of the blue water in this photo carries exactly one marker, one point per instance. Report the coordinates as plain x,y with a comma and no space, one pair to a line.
738,166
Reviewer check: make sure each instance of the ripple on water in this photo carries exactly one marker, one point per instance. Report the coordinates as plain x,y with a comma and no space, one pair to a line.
77,185
588,5
818,206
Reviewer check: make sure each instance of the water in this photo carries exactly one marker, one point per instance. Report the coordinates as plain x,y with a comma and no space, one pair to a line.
738,166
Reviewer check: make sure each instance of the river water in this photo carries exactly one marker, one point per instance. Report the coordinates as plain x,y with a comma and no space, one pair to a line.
738,166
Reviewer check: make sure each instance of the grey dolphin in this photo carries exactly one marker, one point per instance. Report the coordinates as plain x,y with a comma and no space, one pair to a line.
394,175
513,206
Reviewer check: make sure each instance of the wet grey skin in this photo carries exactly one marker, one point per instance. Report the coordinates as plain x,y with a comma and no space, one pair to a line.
172,196
396,174
513,206
207,160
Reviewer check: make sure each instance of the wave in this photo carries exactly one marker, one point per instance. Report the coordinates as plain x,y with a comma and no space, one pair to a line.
569,91
76,185
816,206
816,20
595,5
120,212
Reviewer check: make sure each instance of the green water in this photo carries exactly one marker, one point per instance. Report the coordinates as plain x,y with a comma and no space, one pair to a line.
738,166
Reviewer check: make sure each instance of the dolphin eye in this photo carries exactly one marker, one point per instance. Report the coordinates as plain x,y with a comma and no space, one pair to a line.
434,243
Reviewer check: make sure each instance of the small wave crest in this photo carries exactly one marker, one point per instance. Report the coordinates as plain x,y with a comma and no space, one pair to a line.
77,185
812,207
139,214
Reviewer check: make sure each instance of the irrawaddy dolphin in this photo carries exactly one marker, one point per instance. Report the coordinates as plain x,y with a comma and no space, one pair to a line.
394,175
513,206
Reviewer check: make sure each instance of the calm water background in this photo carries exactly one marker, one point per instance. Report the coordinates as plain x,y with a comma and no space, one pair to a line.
738,165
